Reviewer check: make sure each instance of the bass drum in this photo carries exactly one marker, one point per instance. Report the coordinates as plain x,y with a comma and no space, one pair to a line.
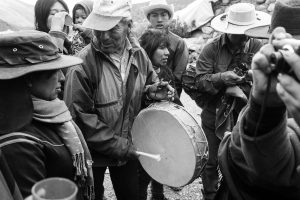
169,130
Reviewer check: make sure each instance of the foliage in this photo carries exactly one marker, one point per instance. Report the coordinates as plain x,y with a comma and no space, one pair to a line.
180,29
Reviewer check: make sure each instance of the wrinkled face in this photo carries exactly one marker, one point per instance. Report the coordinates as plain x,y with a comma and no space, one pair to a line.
159,18
46,85
80,16
237,40
113,40
56,8
160,56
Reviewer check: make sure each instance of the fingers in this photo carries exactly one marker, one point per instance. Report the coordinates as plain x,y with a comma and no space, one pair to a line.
293,60
288,90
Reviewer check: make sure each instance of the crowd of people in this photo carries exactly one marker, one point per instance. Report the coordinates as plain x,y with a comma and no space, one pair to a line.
70,97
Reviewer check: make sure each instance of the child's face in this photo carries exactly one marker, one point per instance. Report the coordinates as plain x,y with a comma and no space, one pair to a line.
80,16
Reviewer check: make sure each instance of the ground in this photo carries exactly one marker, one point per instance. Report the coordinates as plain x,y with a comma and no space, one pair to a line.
189,192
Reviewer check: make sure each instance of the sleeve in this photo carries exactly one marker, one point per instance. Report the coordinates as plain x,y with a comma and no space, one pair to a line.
272,152
100,137
27,164
58,38
206,79
181,58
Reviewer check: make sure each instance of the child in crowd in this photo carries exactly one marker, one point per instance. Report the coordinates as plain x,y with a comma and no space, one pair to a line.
82,36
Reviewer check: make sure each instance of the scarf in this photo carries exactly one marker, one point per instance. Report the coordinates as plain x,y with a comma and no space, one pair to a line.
57,113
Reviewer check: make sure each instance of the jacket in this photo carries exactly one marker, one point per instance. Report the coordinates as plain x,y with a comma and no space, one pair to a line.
214,59
178,58
38,155
104,107
8,187
261,165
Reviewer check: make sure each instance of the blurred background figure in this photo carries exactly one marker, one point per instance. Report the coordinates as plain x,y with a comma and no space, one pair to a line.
82,36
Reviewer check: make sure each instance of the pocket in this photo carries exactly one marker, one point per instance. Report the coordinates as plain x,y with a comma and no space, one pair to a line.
109,111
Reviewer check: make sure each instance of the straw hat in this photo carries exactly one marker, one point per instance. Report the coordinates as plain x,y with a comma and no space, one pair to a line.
24,52
107,13
239,18
159,4
285,14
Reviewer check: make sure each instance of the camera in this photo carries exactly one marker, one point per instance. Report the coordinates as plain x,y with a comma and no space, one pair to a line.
278,63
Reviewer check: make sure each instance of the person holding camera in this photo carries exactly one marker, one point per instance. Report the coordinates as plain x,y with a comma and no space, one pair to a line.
221,80
260,158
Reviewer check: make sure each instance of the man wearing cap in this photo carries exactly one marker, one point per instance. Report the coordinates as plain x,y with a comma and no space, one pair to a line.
221,79
160,14
105,94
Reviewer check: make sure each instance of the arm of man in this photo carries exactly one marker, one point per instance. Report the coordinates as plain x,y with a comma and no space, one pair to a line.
100,137
181,58
206,79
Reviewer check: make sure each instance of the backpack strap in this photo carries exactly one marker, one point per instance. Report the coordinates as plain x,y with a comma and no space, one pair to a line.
17,137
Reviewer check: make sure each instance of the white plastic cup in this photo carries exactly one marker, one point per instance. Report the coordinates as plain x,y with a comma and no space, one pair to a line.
54,189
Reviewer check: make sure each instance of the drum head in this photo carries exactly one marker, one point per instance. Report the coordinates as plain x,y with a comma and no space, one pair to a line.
160,132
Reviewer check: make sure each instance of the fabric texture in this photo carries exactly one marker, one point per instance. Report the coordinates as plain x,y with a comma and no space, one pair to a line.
178,58
94,93
55,112
264,166
8,187
47,155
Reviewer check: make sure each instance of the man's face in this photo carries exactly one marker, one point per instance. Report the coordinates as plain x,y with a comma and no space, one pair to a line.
237,40
113,40
159,18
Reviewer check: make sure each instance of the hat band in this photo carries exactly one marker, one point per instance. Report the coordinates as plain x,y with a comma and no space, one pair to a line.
28,60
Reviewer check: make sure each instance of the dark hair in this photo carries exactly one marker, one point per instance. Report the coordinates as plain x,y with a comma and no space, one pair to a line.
42,11
77,7
152,39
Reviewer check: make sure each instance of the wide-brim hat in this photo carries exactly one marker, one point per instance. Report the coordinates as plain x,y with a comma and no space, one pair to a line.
286,14
239,18
159,4
107,14
23,52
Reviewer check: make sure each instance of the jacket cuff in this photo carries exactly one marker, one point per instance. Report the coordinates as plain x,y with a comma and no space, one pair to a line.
271,117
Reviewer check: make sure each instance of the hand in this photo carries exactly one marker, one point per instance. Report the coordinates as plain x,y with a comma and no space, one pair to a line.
131,154
261,69
29,198
58,22
288,88
78,27
161,91
230,78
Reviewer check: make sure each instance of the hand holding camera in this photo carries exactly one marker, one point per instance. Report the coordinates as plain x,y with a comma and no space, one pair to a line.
279,62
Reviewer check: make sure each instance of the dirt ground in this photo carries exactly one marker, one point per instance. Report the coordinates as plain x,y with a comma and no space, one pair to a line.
189,192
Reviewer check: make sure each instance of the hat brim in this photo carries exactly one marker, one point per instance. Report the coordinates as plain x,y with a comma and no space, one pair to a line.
100,22
262,32
8,72
218,24
149,9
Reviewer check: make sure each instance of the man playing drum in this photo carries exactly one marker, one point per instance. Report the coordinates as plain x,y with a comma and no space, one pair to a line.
104,94
221,79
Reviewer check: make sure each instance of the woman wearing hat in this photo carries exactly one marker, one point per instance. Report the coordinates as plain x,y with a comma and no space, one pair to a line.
224,89
44,142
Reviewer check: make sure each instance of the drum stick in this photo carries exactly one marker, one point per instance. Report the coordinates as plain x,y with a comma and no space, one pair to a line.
153,156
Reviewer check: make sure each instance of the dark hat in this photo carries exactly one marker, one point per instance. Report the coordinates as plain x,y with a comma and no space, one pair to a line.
286,14
23,52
